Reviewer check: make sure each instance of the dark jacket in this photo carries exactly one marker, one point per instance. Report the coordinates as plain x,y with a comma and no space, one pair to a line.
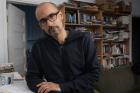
73,65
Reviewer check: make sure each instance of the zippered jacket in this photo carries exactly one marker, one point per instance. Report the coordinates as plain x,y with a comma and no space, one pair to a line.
73,65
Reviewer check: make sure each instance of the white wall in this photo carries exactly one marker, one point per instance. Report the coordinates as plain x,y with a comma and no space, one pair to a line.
3,33
38,1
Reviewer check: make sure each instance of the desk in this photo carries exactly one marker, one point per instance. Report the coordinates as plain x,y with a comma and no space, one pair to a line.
16,87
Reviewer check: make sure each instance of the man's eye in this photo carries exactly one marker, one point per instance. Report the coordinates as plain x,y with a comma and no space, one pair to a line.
51,16
43,20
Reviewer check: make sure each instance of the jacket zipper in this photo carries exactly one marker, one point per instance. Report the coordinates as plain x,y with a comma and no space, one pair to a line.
61,50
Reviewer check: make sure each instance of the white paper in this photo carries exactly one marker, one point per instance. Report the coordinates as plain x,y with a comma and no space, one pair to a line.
17,87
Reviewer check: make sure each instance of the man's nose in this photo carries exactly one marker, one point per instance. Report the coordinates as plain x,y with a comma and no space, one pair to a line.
50,23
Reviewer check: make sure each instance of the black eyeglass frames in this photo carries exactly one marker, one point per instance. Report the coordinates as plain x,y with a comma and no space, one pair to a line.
51,17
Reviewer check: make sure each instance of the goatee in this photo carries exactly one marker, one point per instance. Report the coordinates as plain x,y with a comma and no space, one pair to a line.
53,32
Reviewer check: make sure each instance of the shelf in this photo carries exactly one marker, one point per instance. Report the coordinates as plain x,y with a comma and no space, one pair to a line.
98,38
81,9
69,8
82,25
116,55
118,68
115,41
113,27
113,55
86,10
110,13
84,2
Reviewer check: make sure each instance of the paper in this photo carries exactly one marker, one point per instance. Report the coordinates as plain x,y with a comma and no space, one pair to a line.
17,76
17,87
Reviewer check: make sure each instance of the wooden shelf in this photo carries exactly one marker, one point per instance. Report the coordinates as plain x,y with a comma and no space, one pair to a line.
81,9
117,68
108,26
84,2
90,25
115,41
70,8
113,55
110,13
98,38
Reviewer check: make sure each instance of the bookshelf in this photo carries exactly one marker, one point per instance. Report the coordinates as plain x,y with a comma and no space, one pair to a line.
85,19
109,29
115,39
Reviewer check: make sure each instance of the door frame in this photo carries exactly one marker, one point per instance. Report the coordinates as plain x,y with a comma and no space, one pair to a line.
3,32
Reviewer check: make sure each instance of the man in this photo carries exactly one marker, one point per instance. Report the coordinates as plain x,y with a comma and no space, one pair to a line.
63,61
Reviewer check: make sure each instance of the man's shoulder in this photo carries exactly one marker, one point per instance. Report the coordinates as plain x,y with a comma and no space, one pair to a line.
40,41
81,33
85,34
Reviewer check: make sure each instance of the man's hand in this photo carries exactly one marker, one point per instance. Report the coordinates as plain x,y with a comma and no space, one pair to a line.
46,87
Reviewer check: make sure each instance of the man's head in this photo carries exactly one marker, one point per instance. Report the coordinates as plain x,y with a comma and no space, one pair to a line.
50,18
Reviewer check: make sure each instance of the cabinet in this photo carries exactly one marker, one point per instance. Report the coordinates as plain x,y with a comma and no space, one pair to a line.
109,29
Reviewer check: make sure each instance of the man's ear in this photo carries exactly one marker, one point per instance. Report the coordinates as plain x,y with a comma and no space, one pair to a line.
41,26
61,15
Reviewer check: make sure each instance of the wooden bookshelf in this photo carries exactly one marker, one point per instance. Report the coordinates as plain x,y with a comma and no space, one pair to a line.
83,25
116,39
110,34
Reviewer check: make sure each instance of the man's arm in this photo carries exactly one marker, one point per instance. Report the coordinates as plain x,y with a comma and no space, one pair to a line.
34,73
85,82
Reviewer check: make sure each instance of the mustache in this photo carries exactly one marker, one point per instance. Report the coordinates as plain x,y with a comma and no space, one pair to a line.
52,31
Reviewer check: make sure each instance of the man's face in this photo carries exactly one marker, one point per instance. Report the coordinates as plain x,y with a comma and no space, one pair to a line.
50,20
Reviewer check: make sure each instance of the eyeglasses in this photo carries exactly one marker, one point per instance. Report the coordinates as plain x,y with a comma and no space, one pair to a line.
51,17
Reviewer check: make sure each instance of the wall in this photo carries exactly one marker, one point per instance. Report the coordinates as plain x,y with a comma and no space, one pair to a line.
136,8
136,37
3,33
38,1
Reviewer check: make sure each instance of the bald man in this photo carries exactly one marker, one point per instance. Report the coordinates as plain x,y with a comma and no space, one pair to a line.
63,61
